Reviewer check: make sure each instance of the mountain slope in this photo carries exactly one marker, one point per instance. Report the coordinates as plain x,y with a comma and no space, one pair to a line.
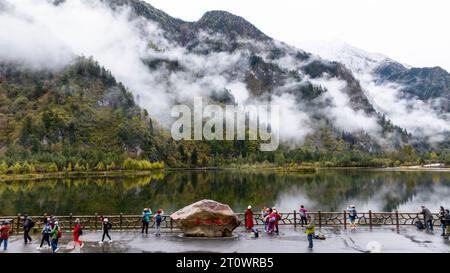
416,99
81,114
270,70
326,109
425,83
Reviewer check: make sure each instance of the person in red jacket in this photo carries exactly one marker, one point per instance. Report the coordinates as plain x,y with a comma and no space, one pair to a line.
249,218
273,219
77,233
277,218
4,234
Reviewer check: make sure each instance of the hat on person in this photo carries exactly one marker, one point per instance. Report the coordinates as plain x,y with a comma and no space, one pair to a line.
105,219
352,206
158,211
249,207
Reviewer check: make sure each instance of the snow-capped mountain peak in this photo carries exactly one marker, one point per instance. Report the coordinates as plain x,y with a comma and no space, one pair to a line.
356,59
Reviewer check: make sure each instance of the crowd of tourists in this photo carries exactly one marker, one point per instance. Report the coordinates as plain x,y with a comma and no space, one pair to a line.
52,232
270,216
444,219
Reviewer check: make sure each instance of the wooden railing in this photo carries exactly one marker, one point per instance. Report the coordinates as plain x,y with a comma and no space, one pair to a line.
124,222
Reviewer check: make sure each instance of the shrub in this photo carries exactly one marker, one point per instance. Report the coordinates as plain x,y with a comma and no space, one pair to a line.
3,167
141,165
79,167
27,168
111,167
52,168
17,168
100,166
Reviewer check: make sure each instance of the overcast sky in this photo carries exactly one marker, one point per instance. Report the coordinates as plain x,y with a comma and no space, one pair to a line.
414,32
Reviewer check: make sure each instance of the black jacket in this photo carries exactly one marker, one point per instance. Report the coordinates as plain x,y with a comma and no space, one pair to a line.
447,220
28,224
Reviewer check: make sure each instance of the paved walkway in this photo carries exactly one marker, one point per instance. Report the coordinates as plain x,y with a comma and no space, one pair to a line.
384,239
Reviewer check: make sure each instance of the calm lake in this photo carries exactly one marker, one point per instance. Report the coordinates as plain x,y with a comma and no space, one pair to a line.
327,190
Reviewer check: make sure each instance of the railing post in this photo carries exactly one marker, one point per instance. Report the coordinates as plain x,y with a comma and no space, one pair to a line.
70,221
370,219
171,223
345,219
95,221
320,219
121,221
18,223
396,220
295,219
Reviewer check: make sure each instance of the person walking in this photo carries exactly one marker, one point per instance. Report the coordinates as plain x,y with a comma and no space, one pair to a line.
310,232
5,228
158,220
28,224
106,226
303,215
428,217
442,214
249,218
56,233
46,230
146,214
77,232
352,215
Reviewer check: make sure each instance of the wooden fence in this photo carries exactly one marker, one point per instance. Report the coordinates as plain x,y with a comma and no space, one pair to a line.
124,222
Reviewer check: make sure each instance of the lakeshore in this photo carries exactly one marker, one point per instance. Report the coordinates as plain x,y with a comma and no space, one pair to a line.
308,169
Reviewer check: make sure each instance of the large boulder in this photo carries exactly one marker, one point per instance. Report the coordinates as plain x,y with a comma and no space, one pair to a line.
206,218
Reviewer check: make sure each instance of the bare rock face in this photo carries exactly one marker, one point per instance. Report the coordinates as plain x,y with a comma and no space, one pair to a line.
206,218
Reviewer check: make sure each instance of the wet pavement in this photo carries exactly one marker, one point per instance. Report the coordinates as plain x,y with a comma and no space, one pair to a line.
291,240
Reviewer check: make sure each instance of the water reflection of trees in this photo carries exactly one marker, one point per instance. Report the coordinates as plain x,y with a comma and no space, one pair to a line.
330,189
333,189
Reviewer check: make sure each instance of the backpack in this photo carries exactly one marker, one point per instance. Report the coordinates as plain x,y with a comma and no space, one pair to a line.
419,225
80,232
32,223
158,219
59,233
146,218
108,225
46,230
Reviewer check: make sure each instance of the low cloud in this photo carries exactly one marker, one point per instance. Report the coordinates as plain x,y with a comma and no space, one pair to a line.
416,116
41,35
